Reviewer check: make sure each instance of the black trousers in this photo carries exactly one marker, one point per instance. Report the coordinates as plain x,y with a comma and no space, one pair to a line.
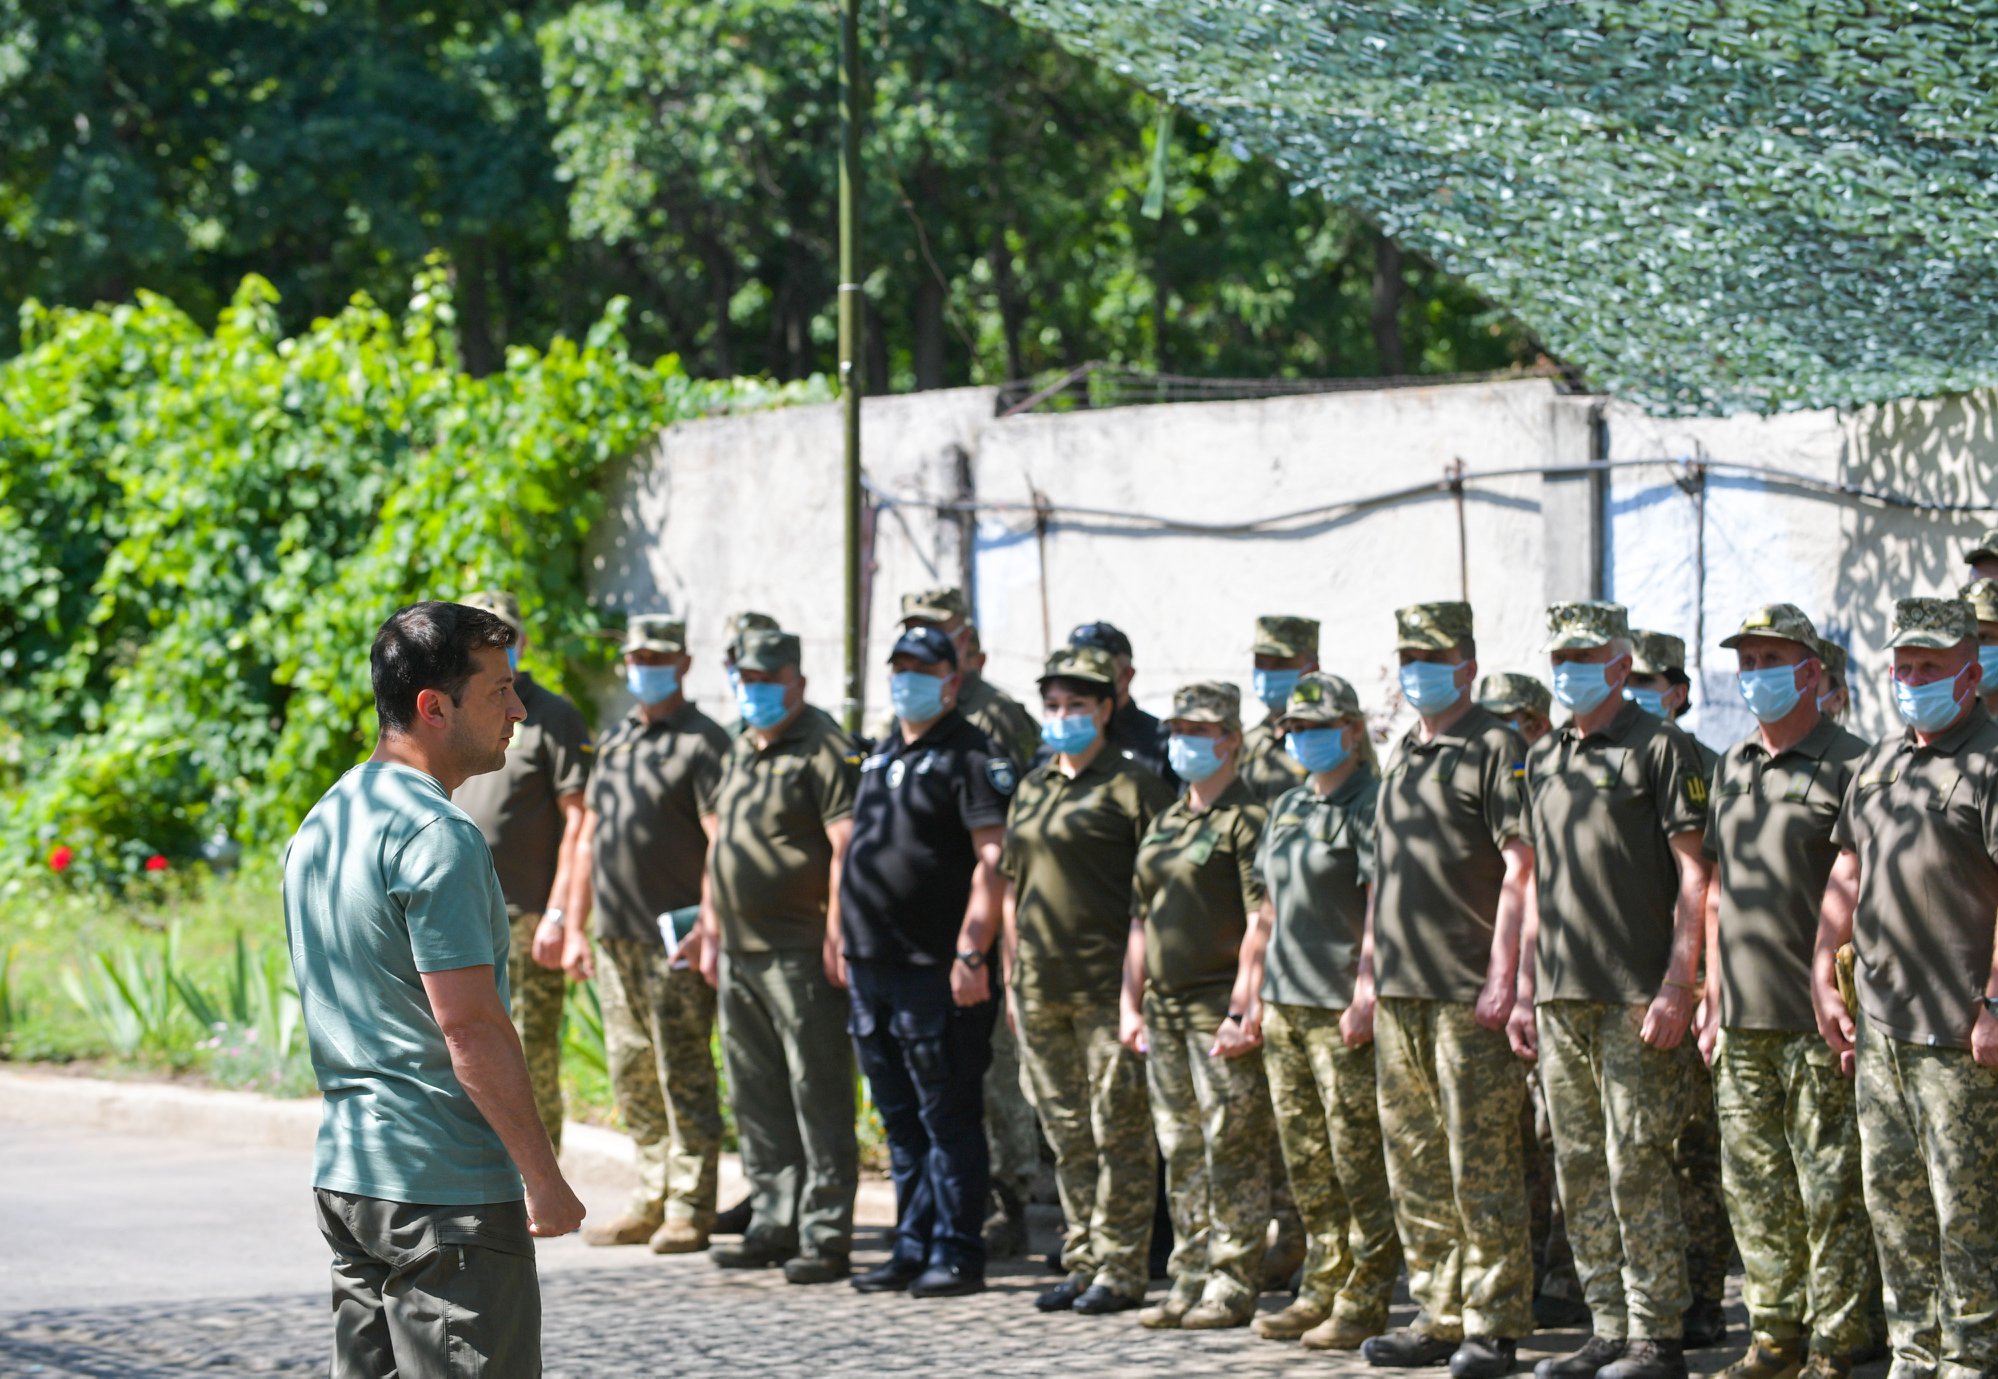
925,1058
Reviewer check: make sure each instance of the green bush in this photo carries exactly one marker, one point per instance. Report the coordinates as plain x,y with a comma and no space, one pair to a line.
200,532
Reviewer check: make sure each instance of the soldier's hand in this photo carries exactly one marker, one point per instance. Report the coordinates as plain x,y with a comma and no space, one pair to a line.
1494,1005
1131,1031
1522,1033
1237,1037
1984,1039
830,956
1667,1017
1356,1026
970,986
1706,1027
576,959
550,942
1835,1025
553,1208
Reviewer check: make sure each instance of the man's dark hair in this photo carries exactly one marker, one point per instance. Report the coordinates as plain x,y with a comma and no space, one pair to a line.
427,646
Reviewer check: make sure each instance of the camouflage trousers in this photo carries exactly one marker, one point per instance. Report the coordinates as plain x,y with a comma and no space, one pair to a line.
1450,1096
659,1033
1696,1163
1212,1119
1012,1135
1328,1118
1790,1152
1090,1091
1616,1105
1928,1139
1553,1260
537,993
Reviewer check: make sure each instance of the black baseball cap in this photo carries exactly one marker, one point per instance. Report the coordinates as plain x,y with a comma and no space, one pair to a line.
1103,636
926,644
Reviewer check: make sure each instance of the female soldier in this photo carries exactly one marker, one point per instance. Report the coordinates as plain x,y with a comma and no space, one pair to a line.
1295,990
1196,888
1071,842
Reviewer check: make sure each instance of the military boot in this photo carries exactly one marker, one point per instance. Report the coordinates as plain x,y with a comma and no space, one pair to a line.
1596,1353
1768,1360
1167,1315
1409,1347
1644,1358
1006,1226
1291,1323
1339,1333
679,1238
632,1228
1215,1314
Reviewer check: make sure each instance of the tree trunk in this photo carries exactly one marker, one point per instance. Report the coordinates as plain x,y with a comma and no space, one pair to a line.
476,351
1387,306
929,330
874,353
1010,312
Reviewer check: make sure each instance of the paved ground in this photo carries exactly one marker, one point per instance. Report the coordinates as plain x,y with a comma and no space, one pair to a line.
127,1257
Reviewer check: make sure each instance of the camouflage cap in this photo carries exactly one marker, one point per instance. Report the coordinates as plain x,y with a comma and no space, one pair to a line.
1656,653
1209,701
761,648
1431,626
1585,625
501,605
1982,596
1782,620
1282,636
1986,547
1510,693
1087,663
1936,623
735,624
935,605
656,632
1321,698
1833,655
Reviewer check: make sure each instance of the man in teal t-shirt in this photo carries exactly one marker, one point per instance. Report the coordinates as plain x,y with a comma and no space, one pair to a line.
433,1170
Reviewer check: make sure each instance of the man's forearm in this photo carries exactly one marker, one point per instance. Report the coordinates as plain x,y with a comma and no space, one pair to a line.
486,1057
1508,923
981,915
1529,939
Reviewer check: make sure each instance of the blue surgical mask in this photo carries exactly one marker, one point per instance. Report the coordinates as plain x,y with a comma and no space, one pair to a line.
1317,749
1193,758
1928,708
1651,701
1987,657
513,657
1273,687
915,697
762,705
1581,685
652,684
1770,693
1429,688
1070,734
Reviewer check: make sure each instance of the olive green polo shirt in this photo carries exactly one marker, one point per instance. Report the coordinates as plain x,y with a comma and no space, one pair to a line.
1447,809
1924,823
1000,717
1317,860
1769,826
652,784
1196,887
770,867
517,807
1267,769
1603,809
1071,847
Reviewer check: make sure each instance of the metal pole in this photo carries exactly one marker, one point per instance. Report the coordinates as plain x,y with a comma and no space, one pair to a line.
851,320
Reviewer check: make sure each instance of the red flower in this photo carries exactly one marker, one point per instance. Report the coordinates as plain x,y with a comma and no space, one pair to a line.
60,858
156,863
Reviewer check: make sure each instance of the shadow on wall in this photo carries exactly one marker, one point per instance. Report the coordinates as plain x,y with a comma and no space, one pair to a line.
1938,450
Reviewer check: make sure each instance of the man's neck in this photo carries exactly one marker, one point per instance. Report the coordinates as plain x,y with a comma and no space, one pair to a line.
1792,728
1433,727
765,736
1596,719
912,731
395,749
1204,793
1328,782
1074,764
664,709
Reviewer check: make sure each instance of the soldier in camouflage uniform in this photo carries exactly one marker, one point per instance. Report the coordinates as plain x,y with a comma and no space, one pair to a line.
1285,648
653,787
1659,685
1790,1145
1072,839
1454,853
1982,557
1836,695
1918,867
531,813
1010,1128
1299,968
1618,803
1196,886
1526,705
1982,596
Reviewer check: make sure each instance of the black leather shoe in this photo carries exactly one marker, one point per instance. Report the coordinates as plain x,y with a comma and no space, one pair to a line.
825,1268
947,1281
1407,1348
1596,1352
750,1254
1061,1297
892,1276
1484,1357
1098,1301
733,1221
1705,1324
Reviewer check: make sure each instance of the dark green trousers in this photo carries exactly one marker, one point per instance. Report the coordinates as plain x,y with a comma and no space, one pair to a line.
790,1075
430,1292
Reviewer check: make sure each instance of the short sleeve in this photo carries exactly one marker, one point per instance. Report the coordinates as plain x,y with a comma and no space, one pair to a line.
444,882
569,749
1249,826
1843,831
1502,781
986,787
1710,841
838,766
1365,816
1678,782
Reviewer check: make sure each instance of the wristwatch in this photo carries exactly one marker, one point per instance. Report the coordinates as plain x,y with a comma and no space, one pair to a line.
972,958
551,917
1991,1004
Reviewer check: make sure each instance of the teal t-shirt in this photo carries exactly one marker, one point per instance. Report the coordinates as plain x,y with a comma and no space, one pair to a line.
386,880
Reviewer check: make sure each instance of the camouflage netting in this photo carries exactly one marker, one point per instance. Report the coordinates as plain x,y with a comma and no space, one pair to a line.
1706,207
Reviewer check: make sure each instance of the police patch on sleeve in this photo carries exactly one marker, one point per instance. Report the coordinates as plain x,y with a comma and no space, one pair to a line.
999,771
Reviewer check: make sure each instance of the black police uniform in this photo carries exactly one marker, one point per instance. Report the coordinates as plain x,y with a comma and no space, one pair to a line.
903,890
